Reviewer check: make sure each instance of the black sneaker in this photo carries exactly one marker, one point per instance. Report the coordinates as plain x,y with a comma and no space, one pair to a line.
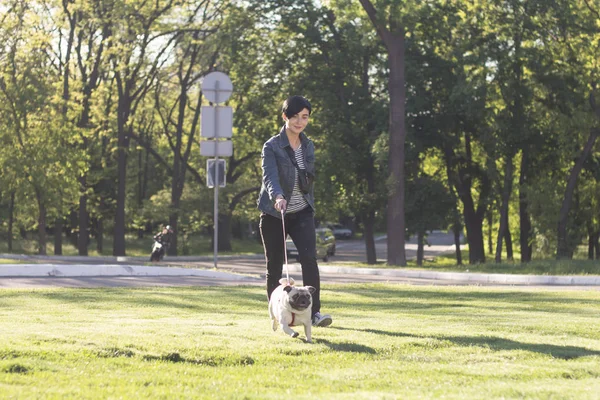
321,320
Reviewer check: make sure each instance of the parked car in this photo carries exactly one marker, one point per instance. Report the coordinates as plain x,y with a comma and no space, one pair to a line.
339,231
325,245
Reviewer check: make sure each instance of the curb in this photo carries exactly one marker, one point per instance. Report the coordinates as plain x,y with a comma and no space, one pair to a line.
469,277
117,269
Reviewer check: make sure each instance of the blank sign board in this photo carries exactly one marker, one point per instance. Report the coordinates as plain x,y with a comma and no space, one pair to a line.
216,148
217,87
216,122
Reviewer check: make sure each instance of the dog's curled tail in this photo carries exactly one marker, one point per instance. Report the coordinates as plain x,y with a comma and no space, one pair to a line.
284,281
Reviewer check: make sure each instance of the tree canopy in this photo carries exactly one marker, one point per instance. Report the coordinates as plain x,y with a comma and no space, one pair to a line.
427,115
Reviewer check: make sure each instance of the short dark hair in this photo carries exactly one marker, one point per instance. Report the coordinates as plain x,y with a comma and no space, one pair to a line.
294,104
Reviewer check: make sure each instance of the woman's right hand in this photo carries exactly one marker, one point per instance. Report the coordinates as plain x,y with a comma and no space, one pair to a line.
280,204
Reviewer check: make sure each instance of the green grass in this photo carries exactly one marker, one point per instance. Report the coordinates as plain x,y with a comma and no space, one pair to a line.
7,261
387,341
447,263
135,247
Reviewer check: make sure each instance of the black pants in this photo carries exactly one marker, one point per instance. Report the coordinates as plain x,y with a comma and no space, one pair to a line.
301,228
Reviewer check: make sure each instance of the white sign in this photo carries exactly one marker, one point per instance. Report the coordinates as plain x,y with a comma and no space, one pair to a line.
211,177
216,148
216,122
217,87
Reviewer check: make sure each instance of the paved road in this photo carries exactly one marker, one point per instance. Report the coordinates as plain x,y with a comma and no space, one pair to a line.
354,250
249,270
242,271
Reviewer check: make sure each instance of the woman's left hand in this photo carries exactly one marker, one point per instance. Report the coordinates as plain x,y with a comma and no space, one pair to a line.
280,204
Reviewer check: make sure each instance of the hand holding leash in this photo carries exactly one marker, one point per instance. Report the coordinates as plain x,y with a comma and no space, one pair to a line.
280,204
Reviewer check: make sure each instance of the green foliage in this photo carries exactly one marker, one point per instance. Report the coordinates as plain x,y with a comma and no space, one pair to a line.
189,243
428,205
489,84
39,164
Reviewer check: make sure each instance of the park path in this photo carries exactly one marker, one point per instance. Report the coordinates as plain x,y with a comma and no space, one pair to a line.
75,271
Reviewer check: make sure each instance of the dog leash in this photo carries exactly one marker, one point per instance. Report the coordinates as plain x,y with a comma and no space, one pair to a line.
287,272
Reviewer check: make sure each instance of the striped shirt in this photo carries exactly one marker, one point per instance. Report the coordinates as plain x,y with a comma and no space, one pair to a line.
297,201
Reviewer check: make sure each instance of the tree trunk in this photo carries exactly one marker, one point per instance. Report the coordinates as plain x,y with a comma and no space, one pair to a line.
123,145
473,225
11,216
592,239
396,253
490,221
119,239
461,179
564,247
99,235
368,216
84,234
369,236
394,42
456,226
420,247
508,241
58,228
89,84
456,230
597,245
224,232
73,234
506,191
174,222
177,183
524,218
142,180
42,239
225,220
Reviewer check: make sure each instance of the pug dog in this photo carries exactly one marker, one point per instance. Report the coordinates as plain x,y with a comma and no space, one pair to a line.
291,306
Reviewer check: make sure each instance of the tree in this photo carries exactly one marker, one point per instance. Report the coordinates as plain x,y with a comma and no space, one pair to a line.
44,172
588,69
81,35
135,65
392,36
180,116
449,108
428,207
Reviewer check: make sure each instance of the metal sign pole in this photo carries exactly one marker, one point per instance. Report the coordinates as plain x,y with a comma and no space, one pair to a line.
217,182
217,88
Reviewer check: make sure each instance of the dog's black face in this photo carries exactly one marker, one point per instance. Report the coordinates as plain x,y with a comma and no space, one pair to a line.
300,298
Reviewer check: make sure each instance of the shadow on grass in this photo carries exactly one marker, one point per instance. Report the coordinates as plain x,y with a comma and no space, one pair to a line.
424,299
498,343
494,343
347,347
375,331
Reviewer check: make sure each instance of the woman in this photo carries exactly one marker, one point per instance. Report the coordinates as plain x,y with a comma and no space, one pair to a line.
288,164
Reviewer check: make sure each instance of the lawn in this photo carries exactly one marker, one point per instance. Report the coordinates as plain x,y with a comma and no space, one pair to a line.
447,263
387,341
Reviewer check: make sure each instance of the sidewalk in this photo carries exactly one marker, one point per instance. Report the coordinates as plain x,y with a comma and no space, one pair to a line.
117,259
249,269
